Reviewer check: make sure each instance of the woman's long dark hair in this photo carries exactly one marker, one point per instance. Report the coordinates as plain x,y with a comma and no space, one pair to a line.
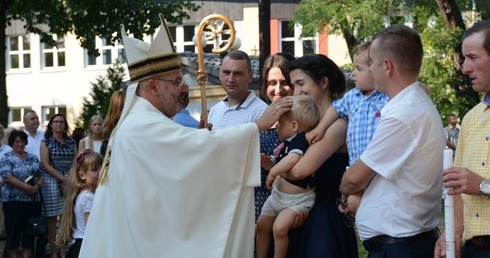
317,66
49,130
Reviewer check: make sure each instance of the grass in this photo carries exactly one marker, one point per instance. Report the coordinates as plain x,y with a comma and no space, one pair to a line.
362,252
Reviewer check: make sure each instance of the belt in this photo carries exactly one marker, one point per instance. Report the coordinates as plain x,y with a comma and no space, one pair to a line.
374,243
481,242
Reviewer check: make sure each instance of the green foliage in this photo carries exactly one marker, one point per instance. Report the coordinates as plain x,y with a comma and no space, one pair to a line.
102,90
358,20
86,19
439,73
483,6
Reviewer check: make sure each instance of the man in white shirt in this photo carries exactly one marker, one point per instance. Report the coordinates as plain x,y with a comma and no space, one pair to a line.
400,170
241,105
34,136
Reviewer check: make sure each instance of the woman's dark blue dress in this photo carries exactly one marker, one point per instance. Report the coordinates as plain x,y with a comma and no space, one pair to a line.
325,234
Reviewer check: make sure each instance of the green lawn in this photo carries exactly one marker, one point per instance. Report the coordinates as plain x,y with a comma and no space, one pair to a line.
362,252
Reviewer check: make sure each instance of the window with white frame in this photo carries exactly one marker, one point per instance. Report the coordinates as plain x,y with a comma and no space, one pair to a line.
107,53
173,34
189,31
293,43
182,36
17,114
19,52
50,111
54,56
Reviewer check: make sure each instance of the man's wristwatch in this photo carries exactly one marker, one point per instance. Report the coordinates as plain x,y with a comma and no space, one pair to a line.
485,188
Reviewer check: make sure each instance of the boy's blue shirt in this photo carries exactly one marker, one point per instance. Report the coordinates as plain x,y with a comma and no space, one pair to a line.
363,114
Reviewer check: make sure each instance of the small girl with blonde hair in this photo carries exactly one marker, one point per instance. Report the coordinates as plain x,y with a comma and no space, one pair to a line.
83,177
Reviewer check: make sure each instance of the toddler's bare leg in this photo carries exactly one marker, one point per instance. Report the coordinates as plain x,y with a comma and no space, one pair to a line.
281,227
264,235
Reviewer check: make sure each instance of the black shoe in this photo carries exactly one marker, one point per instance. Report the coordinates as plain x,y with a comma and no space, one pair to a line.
42,254
6,253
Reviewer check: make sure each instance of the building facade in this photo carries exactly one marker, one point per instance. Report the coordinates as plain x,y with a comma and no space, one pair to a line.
54,80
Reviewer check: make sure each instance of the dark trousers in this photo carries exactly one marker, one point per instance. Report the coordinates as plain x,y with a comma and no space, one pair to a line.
409,249
17,216
471,251
74,250
41,243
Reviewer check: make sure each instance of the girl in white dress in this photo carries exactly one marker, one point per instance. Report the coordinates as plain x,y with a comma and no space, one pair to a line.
94,135
83,177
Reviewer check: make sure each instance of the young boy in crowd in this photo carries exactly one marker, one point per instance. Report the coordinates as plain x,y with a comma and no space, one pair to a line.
361,105
288,197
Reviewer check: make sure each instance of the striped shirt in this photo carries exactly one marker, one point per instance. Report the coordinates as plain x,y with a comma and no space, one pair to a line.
473,153
452,134
363,114
222,115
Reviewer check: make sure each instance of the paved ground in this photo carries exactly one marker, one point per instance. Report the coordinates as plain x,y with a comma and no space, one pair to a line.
362,252
2,245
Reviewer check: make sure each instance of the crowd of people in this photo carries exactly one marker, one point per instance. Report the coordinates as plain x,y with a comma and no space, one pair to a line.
294,172
50,159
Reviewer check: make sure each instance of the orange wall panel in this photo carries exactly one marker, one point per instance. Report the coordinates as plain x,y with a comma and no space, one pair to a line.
275,38
323,42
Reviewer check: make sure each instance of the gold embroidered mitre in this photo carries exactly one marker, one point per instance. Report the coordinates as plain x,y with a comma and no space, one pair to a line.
147,60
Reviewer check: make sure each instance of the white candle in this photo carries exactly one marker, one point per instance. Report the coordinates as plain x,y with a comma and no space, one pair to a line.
449,209
448,158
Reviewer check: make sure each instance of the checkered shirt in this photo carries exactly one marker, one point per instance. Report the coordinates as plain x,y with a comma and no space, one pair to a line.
363,114
473,153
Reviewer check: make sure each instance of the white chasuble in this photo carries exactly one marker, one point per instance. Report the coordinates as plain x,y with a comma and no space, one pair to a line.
174,191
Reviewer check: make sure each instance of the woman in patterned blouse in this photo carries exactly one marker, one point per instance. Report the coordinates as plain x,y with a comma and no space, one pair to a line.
19,195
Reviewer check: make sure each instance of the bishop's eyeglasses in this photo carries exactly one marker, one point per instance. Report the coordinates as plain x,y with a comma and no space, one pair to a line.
178,82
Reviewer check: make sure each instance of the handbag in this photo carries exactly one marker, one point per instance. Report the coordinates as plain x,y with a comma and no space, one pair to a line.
38,225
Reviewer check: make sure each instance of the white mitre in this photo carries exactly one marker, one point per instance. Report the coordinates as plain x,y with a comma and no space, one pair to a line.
147,60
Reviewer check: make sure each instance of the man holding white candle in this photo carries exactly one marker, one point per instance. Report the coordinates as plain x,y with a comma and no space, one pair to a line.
469,179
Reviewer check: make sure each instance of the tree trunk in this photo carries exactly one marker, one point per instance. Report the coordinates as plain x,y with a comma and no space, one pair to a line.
452,15
351,42
4,108
264,33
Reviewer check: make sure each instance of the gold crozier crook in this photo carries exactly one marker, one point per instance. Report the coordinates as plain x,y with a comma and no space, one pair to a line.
214,24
